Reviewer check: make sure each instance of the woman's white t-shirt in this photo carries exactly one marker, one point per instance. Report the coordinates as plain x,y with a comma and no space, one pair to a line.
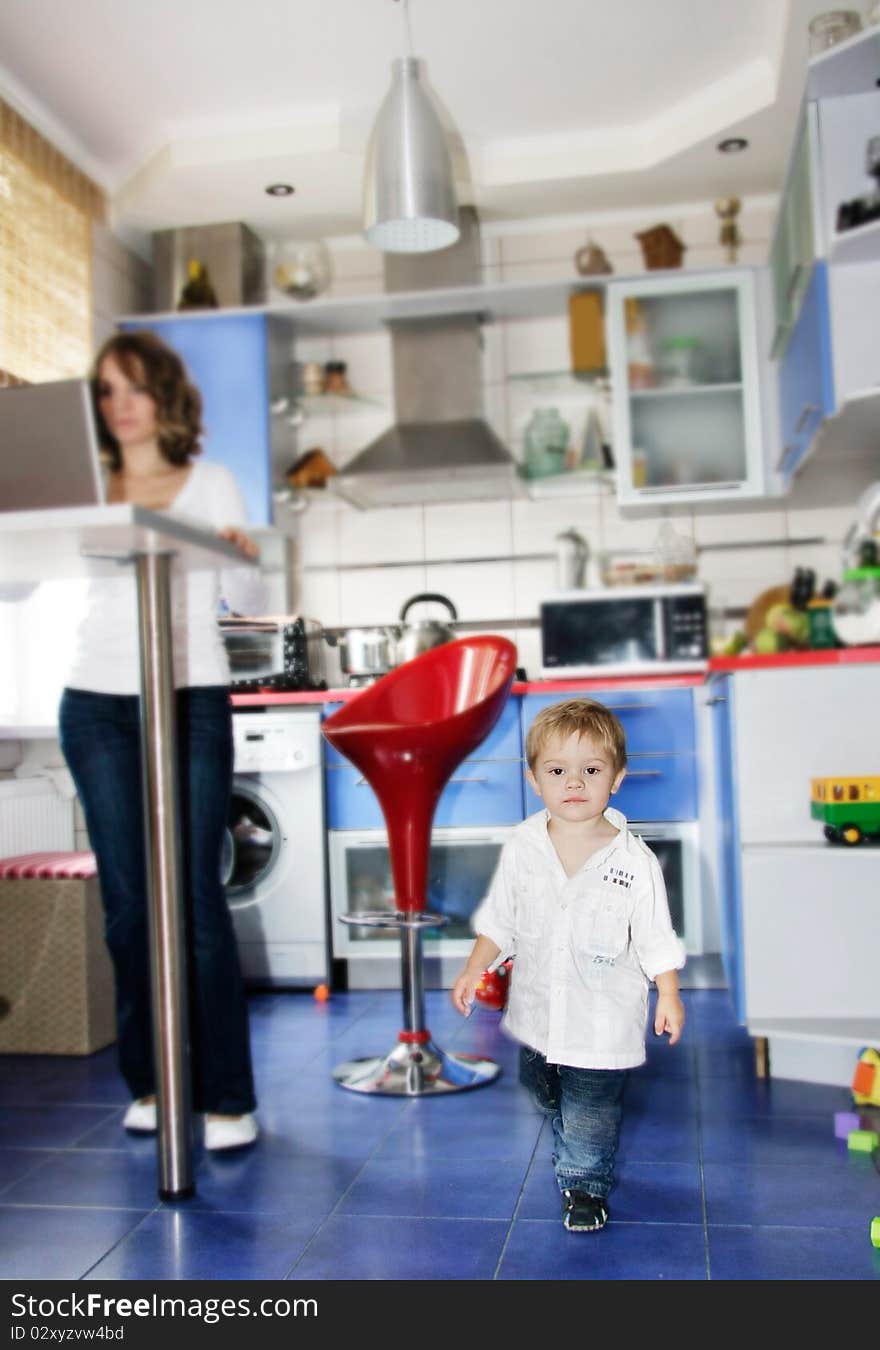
107,660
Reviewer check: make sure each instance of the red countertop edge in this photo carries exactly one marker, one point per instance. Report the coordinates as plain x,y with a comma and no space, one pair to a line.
519,687
832,656
836,656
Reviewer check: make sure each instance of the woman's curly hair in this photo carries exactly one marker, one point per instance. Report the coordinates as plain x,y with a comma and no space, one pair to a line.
148,361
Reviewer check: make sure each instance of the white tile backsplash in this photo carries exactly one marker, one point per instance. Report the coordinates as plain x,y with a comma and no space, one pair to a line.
468,530
536,524
537,345
478,590
533,581
393,535
376,595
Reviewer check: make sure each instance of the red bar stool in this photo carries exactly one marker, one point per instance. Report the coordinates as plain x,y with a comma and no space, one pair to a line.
407,733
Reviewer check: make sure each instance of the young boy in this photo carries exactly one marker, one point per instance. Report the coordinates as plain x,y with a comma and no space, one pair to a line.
581,903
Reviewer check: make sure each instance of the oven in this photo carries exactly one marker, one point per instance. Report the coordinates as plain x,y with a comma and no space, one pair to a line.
461,866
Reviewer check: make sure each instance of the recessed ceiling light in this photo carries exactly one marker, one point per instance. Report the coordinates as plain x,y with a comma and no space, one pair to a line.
281,189
732,145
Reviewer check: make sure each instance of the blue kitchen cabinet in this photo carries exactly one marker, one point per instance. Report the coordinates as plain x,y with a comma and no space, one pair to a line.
661,780
806,380
486,789
227,357
728,861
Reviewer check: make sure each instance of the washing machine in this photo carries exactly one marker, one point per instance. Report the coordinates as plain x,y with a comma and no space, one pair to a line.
274,856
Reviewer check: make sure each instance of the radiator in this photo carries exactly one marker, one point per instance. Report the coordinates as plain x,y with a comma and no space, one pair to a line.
33,817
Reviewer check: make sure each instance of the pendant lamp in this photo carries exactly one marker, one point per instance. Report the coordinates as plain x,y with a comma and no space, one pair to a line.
410,202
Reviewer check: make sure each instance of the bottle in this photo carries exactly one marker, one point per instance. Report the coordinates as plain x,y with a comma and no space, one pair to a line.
641,373
198,293
639,469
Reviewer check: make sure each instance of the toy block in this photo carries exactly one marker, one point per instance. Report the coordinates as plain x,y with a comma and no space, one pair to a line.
866,1079
875,1232
862,1141
844,1124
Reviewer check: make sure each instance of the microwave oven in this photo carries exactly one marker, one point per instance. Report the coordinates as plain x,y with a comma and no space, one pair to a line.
624,630
283,654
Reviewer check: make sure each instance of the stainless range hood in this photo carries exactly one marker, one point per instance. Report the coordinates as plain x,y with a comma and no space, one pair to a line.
440,448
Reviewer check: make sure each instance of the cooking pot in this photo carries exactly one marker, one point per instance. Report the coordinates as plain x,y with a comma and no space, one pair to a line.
367,651
424,634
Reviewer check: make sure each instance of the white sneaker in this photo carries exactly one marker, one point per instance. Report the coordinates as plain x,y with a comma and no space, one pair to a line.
140,1117
231,1132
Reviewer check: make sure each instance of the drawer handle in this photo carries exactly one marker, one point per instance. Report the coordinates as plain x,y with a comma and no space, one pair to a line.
806,412
780,463
645,773
710,702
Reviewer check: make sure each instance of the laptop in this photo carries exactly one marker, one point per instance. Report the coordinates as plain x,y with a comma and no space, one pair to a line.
49,453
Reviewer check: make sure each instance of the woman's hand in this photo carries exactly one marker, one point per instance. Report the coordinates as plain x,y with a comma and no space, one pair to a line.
242,541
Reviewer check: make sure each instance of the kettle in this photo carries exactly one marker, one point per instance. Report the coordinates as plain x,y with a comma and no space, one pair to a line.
572,552
421,636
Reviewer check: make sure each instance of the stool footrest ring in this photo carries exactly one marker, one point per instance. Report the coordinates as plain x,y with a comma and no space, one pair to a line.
395,918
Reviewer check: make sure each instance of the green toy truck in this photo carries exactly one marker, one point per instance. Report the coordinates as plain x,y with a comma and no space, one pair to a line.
850,808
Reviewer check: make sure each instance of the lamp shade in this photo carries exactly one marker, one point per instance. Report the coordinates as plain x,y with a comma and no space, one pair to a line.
410,203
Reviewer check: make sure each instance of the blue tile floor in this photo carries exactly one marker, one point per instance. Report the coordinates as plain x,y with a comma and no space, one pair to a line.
721,1176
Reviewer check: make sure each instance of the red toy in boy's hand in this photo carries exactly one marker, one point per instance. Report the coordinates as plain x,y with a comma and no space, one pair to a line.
493,986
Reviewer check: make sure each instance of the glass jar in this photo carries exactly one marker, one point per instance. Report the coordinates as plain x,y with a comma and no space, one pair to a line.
836,25
301,269
546,441
679,361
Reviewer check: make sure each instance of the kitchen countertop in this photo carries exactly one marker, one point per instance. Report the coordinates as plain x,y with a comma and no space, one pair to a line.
718,664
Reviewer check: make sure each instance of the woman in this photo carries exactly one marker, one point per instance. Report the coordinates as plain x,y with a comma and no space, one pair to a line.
149,423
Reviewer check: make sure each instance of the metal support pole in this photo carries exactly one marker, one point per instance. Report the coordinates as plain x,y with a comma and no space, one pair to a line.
164,873
411,979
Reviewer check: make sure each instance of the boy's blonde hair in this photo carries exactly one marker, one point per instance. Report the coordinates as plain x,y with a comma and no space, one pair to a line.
577,717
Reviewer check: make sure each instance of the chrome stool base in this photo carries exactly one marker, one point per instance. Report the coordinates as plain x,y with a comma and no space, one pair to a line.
416,1070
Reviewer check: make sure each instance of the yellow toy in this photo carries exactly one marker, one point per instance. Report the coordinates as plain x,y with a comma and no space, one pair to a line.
866,1079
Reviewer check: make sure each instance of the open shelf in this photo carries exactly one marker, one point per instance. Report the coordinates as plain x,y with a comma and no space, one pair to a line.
861,244
852,67
840,1030
564,382
583,481
685,391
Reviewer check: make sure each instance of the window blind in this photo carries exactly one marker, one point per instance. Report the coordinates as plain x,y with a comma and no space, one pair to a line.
47,207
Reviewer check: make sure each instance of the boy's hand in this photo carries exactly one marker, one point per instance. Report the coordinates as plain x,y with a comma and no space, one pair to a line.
463,992
669,1016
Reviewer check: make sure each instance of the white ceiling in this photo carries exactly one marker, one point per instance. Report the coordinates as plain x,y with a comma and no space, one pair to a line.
184,110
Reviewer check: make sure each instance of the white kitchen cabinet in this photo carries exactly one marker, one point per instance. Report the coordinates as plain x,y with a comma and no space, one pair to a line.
685,378
807,912
832,405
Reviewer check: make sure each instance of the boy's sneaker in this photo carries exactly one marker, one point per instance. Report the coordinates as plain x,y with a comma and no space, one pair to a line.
583,1213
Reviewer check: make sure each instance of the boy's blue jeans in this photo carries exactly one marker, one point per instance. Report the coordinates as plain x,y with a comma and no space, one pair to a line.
585,1108
100,737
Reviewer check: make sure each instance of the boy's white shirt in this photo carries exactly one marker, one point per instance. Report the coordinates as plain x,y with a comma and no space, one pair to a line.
586,946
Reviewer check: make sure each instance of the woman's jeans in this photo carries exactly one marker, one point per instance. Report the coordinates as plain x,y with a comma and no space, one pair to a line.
585,1107
100,737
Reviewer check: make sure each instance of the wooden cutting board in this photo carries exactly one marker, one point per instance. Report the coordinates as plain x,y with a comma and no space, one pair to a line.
754,622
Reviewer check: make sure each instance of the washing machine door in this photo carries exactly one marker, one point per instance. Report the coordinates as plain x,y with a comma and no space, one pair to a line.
252,844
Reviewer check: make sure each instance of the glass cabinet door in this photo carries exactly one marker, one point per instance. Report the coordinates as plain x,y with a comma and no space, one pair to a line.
685,388
460,870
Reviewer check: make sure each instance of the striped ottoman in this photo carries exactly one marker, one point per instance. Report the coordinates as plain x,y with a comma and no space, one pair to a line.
56,981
